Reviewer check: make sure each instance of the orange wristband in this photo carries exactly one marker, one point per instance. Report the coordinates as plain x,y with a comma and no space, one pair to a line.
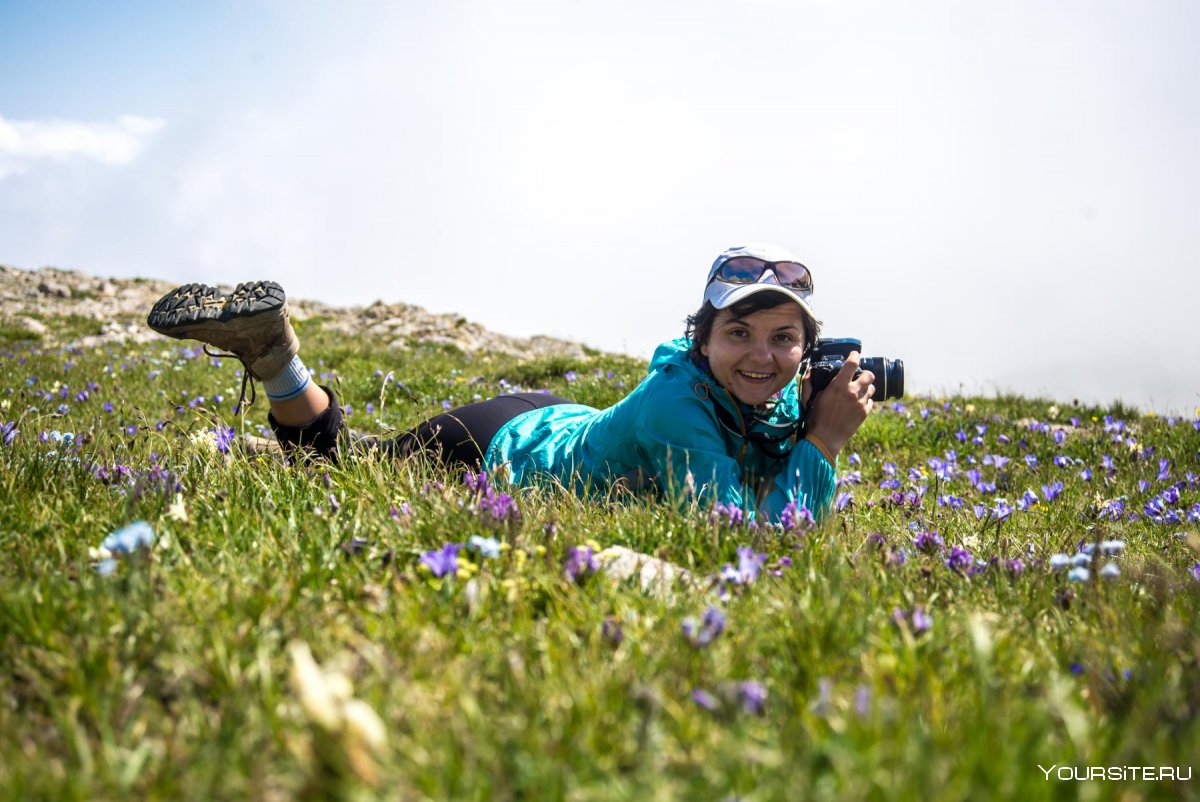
824,449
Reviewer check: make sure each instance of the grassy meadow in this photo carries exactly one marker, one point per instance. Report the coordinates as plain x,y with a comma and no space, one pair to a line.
1006,584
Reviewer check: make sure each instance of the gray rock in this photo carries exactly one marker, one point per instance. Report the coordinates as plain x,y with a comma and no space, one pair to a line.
54,289
32,326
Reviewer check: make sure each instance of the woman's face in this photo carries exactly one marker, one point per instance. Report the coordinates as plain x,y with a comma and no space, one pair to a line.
755,356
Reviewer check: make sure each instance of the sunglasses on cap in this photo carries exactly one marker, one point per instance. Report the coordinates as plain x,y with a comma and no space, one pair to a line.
751,269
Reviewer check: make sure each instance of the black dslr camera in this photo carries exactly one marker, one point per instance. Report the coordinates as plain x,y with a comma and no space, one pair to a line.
830,354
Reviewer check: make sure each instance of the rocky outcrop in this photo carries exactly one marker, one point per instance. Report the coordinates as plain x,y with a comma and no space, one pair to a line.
31,299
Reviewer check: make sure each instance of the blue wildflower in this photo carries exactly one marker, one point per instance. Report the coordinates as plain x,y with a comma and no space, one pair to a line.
1059,561
1078,574
486,546
1110,571
129,539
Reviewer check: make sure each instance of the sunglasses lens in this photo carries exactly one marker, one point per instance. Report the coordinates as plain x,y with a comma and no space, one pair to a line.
794,276
741,270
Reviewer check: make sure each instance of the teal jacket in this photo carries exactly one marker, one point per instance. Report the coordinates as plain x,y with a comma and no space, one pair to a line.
668,427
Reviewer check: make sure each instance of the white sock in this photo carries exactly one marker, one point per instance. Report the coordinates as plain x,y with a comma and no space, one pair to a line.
291,381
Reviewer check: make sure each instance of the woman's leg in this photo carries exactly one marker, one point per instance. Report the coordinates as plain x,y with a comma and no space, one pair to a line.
251,322
462,435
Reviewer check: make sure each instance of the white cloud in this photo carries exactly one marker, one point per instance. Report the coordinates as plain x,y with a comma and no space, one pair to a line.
23,143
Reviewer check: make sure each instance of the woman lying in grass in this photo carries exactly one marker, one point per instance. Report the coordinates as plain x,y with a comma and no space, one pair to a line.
718,418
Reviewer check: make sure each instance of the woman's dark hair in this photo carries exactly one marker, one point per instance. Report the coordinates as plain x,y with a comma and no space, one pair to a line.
700,325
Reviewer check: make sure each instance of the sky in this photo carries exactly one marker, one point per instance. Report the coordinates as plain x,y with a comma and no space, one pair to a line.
1004,195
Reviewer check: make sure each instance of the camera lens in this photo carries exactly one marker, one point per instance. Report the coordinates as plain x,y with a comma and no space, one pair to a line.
889,376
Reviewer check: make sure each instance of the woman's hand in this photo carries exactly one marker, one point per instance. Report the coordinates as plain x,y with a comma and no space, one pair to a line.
842,406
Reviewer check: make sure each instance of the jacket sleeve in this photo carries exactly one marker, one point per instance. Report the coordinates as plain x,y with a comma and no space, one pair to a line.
682,438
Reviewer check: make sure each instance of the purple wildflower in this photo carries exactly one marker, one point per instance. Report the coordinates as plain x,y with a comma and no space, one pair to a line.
443,561
928,542
501,506
1027,500
1195,571
1062,461
1164,470
862,700
1107,462
731,512
705,631
1086,474
477,482
843,501
921,621
752,696
1015,566
612,632
898,556
750,564
959,559
796,517
10,432
706,700
1051,491
580,563
225,436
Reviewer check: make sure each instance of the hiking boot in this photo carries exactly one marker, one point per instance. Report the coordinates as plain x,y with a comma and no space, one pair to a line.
251,323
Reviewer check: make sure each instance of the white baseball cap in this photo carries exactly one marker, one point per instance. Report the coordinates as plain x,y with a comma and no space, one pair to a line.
722,292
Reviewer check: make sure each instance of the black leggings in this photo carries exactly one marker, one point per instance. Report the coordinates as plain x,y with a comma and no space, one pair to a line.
460,436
